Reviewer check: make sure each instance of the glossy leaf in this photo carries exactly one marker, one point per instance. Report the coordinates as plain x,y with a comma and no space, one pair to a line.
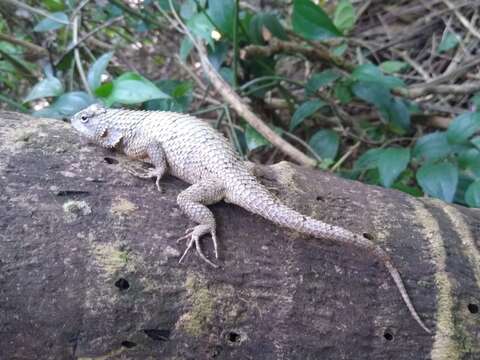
320,79
432,147
94,76
50,86
54,5
269,21
393,66
221,12
449,41
305,110
55,22
463,127
186,47
66,105
438,180
373,93
254,139
131,88
372,73
201,26
391,163
344,17
310,21
398,113
393,110
469,162
368,160
472,195
325,143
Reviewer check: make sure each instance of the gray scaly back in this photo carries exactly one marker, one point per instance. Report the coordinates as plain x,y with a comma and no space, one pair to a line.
188,148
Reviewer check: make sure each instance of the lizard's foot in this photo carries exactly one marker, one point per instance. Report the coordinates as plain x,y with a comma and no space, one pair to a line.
148,174
194,234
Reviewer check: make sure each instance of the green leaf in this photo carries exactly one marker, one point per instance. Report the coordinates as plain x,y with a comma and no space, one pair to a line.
339,50
131,88
66,105
186,47
476,101
432,147
318,80
472,195
94,76
344,18
311,22
469,162
398,113
305,110
325,143
463,127
254,139
391,163
438,180
368,160
449,41
269,21
54,5
393,66
393,110
104,90
50,86
373,93
187,9
222,13
343,91
201,26
475,141
181,96
47,24
372,73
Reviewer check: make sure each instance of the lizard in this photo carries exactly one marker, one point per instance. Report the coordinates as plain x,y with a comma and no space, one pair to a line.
190,149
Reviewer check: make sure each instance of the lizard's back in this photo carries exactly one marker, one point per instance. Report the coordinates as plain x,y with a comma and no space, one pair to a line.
194,150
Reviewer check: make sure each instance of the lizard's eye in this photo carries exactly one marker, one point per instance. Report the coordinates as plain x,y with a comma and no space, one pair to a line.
84,118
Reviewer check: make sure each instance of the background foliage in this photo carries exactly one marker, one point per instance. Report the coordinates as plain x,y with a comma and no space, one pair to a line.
380,91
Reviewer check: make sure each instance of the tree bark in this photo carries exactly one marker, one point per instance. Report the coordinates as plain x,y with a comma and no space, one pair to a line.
89,265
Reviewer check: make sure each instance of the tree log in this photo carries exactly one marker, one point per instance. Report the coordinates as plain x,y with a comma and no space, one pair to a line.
89,265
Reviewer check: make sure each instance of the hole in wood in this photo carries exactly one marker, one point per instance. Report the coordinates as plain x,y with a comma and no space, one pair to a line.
128,344
388,336
122,284
157,334
233,337
473,308
110,160
368,236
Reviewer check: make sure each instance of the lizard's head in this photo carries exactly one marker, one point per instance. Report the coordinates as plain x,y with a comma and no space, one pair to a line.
87,121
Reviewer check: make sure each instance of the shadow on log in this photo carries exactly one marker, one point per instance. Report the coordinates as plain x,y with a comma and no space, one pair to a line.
89,265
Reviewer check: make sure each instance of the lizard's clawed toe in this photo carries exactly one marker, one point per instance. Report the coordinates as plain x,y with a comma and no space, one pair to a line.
194,234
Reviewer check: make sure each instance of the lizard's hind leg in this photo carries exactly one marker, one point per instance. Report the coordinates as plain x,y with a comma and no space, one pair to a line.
193,201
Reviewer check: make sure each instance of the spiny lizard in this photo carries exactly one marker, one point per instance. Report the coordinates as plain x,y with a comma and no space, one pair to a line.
188,148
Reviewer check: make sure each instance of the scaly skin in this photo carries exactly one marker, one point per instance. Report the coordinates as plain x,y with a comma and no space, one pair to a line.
189,149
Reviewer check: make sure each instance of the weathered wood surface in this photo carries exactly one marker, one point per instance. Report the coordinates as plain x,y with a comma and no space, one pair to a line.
88,266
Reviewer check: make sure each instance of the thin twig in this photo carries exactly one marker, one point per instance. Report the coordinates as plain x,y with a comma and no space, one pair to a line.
76,54
345,156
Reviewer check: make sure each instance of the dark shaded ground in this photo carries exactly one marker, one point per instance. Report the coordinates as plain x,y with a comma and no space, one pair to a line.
88,266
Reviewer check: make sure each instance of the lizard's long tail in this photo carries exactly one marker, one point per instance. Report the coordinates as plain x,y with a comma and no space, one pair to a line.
269,207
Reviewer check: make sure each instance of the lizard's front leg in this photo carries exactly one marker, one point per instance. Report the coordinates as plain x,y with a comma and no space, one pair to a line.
159,161
192,201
